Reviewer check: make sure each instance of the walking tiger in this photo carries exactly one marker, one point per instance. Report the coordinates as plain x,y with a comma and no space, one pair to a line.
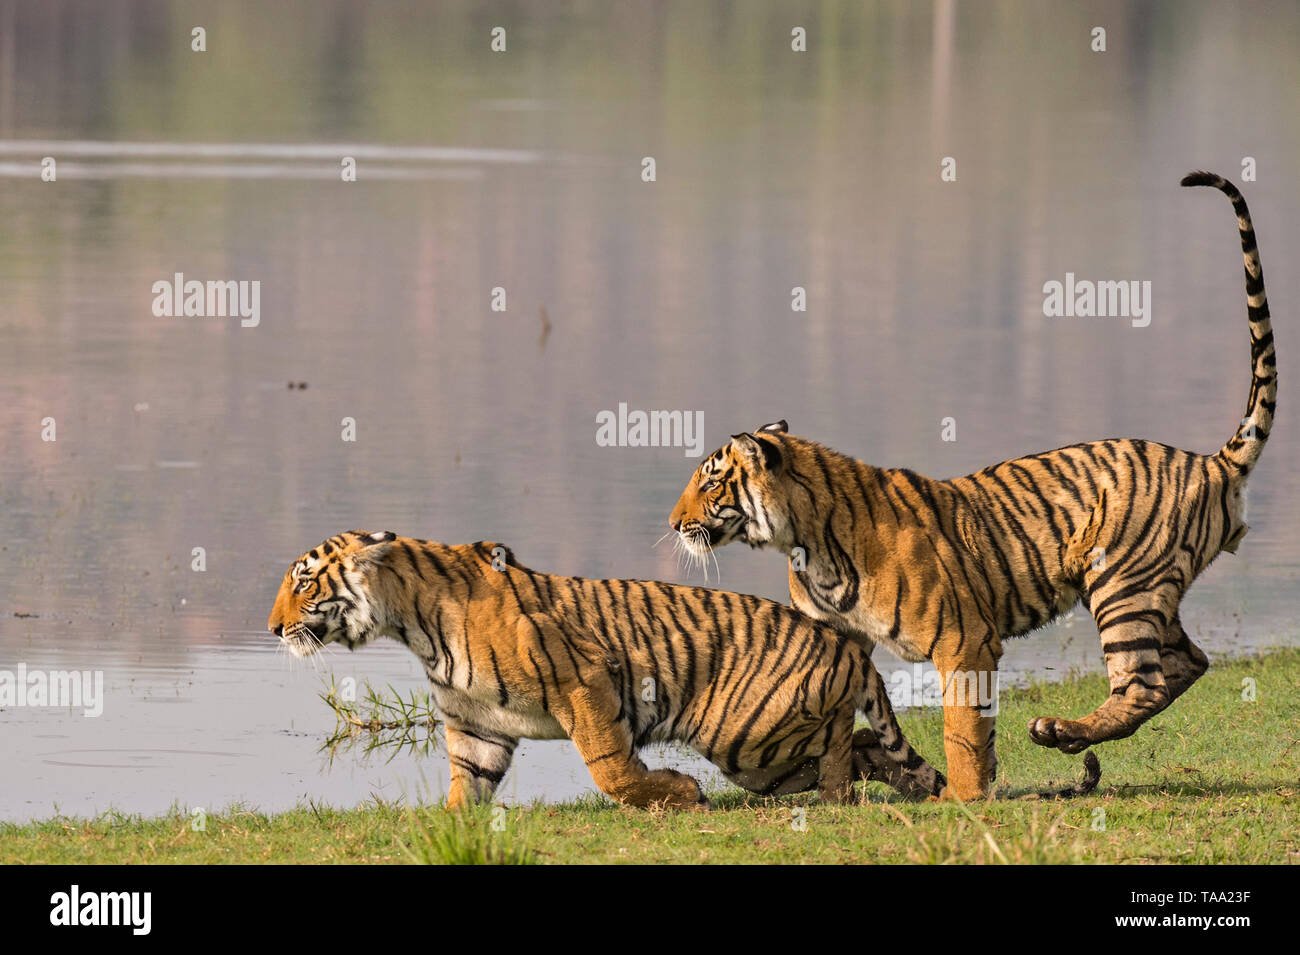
761,691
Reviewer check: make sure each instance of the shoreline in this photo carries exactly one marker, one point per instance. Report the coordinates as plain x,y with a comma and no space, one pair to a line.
1211,779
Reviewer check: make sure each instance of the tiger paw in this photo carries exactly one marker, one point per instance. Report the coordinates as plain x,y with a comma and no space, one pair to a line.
952,794
1069,736
678,791
700,803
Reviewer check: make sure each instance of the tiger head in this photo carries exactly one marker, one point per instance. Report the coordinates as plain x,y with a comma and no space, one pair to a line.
737,493
325,596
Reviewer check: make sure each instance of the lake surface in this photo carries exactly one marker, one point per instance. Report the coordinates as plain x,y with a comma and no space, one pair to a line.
522,171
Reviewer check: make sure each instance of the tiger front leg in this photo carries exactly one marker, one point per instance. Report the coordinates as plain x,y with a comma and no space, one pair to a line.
479,761
968,743
970,688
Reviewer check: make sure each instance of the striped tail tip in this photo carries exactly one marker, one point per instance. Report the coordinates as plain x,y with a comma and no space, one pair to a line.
1200,178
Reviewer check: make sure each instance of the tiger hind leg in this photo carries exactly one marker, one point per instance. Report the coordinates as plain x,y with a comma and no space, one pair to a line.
881,752
606,745
589,709
872,762
1182,661
835,767
1133,634
991,759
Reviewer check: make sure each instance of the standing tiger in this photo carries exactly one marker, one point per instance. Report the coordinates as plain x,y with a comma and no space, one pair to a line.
760,690
945,570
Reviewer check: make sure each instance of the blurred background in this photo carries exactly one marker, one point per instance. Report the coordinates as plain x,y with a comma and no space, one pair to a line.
522,170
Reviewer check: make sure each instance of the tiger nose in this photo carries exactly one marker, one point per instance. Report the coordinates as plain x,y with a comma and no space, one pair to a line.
675,524
278,629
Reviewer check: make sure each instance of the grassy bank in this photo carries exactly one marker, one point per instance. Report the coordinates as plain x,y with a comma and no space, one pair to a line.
1213,779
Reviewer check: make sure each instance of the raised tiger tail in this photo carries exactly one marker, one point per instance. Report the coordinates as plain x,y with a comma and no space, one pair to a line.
1244,447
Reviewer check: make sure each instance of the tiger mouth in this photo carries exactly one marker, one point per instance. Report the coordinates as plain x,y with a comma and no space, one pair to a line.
722,535
699,537
298,647
300,640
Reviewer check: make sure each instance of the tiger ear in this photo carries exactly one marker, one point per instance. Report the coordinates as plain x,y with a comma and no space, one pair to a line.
366,538
759,452
776,427
495,553
374,547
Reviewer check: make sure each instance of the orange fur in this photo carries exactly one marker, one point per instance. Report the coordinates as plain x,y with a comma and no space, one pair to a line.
944,570
763,692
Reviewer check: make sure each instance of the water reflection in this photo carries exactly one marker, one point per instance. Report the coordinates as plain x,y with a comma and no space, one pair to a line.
522,172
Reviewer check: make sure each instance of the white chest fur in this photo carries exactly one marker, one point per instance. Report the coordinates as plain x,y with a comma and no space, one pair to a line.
862,626
860,622
482,707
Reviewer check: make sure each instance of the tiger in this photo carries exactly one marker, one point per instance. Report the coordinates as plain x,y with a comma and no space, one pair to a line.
761,691
946,569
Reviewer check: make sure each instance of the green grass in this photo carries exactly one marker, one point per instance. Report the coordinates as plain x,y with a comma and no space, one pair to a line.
482,835
1213,779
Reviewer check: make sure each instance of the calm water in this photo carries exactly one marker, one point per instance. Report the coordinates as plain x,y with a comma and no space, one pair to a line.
522,170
